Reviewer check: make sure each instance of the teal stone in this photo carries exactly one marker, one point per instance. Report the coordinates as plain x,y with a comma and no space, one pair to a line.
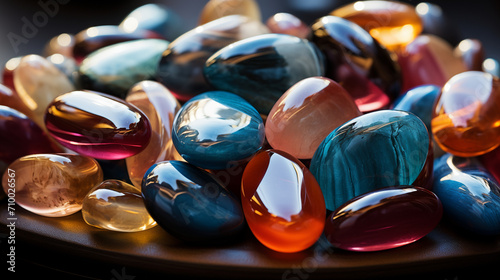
261,68
116,68
217,130
469,193
379,149
419,101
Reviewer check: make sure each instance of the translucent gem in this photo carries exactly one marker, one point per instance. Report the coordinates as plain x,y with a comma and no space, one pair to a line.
378,149
282,202
215,9
160,106
11,99
98,125
384,219
285,23
53,185
217,129
306,113
189,203
471,52
117,206
466,116
61,44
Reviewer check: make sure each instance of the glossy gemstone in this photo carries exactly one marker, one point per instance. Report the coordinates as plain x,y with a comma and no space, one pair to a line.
189,203
67,66
393,24
37,83
181,66
53,185
472,53
466,116
282,202
306,113
491,66
10,98
61,44
358,62
379,149
491,161
470,195
384,219
96,37
428,60
154,17
117,206
261,68
8,72
217,129
116,68
98,125
160,106
285,23
21,136
419,101
215,9
436,22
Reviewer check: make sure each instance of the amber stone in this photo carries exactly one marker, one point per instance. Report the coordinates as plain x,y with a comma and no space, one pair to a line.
282,202
61,44
53,185
117,206
98,125
384,219
38,82
285,23
393,24
428,60
306,113
215,9
160,106
466,115
472,53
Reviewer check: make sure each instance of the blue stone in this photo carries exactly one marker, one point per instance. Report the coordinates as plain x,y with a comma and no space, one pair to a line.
375,150
469,193
261,68
189,203
419,101
217,130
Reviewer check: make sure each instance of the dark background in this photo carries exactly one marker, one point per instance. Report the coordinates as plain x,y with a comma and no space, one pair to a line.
478,19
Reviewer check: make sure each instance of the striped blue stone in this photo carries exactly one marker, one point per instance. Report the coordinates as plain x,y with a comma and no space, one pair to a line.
419,101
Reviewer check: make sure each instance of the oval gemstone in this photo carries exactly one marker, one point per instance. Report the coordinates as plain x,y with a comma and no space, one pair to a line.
217,130
306,113
384,219
189,203
181,66
215,9
160,106
470,195
116,68
53,185
466,114
378,149
393,24
419,101
471,52
261,68
282,202
285,23
11,99
62,44
118,206
358,62
98,125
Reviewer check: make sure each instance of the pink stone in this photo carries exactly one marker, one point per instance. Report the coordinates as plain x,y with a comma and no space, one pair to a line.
285,23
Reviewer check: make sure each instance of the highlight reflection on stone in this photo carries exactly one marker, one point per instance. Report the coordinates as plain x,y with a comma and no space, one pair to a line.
215,9
285,23
53,185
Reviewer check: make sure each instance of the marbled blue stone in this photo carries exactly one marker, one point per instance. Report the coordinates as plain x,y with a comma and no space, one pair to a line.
189,203
217,129
419,101
261,68
469,193
375,150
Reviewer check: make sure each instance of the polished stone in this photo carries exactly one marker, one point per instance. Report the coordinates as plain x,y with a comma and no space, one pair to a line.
471,51
215,9
98,125
470,195
61,44
261,68
8,72
118,206
217,129
190,204
181,66
306,113
285,23
436,22
491,161
160,106
68,66
282,202
419,101
116,68
466,116
53,185
393,24
358,62
378,149
383,219
10,98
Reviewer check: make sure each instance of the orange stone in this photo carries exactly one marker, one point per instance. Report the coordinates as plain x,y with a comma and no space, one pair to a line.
215,9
